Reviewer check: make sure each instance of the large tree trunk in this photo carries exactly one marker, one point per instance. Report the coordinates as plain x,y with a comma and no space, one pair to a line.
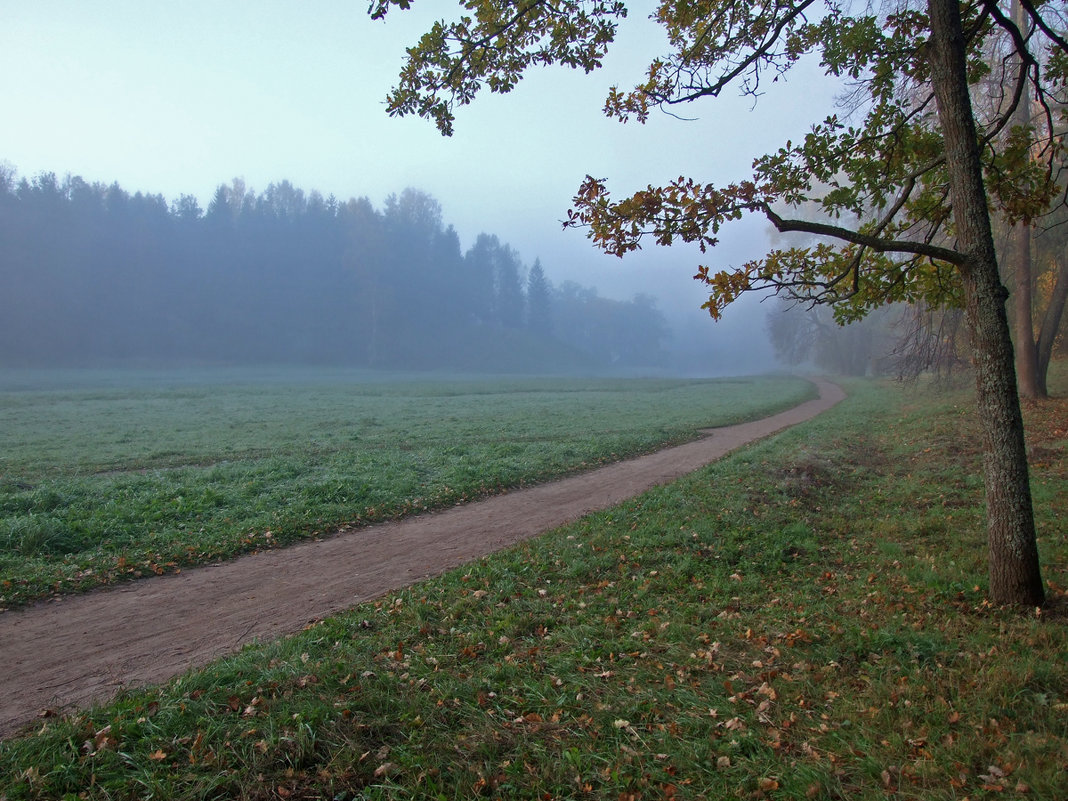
1014,570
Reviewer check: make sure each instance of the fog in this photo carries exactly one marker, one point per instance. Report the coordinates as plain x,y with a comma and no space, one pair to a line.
173,101
95,276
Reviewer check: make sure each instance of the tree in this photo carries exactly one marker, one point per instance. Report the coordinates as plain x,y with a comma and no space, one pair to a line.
1052,251
811,334
1019,229
539,301
509,301
911,161
478,279
928,341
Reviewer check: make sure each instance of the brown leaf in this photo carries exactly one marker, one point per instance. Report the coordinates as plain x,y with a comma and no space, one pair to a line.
102,739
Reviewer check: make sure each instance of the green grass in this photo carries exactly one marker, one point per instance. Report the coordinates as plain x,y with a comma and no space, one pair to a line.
107,476
803,620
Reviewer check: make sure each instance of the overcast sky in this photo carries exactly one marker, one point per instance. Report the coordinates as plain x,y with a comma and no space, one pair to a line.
179,97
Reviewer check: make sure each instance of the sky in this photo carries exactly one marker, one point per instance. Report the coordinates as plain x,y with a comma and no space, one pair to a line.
177,98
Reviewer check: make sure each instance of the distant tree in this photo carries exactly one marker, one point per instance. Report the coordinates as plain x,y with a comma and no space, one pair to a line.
641,332
219,209
509,300
928,340
283,201
187,208
7,179
363,259
91,274
620,333
480,268
539,301
913,163
811,334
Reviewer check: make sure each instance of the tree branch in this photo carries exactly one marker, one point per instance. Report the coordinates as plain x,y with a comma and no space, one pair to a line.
876,243
1040,23
760,51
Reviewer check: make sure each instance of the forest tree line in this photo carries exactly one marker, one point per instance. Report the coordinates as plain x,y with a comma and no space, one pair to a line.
92,275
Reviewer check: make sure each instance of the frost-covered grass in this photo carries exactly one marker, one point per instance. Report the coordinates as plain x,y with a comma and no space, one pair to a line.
109,475
804,619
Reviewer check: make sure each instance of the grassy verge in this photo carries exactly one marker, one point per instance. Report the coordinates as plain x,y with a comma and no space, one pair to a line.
115,476
805,619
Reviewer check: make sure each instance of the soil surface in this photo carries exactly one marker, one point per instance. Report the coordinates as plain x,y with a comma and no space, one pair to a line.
83,649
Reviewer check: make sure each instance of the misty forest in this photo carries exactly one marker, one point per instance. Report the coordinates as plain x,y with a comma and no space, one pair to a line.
96,276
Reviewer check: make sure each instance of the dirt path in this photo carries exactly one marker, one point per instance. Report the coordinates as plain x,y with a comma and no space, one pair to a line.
82,649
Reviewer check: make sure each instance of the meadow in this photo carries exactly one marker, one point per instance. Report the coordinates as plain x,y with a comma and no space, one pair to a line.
804,619
107,476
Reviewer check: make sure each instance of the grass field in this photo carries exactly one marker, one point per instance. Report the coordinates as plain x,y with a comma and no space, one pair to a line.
105,476
803,620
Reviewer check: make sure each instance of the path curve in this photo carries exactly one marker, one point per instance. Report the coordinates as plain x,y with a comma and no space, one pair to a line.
82,649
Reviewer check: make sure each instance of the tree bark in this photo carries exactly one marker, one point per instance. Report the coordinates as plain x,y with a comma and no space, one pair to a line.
1015,577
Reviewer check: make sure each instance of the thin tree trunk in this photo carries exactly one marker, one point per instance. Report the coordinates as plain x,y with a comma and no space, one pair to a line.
1027,371
1051,322
1031,381
1015,577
